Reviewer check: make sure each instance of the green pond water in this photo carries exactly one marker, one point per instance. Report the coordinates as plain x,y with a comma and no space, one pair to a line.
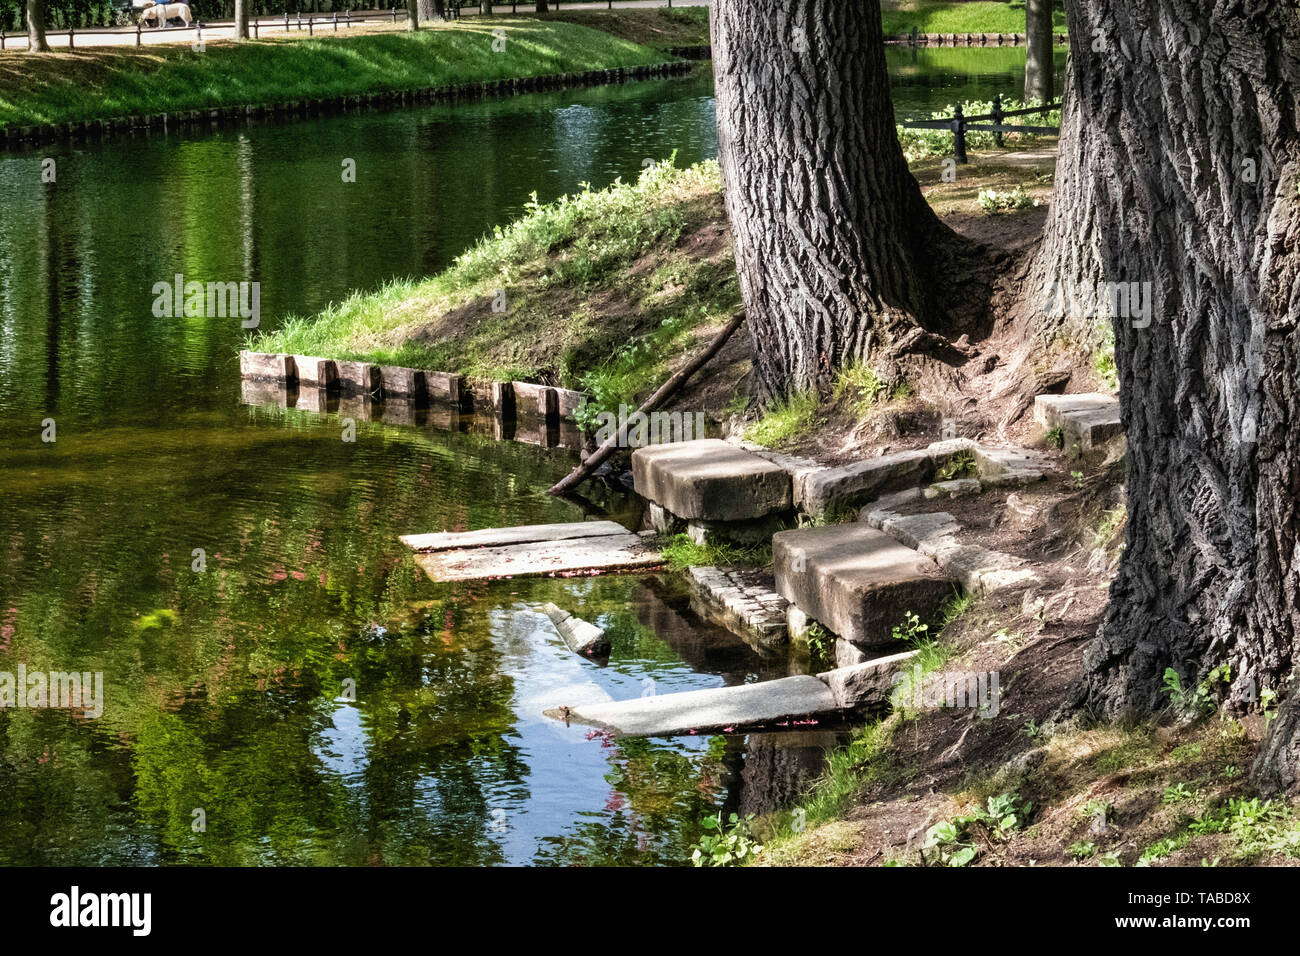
306,696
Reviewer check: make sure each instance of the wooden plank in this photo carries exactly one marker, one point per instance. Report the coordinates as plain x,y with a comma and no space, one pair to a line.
499,537
624,552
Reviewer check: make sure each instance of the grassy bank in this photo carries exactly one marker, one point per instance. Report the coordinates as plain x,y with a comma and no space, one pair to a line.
600,290
936,16
660,28
108,82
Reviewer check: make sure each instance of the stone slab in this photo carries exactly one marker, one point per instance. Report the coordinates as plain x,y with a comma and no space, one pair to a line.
711,480
605,553
857,581
360,377
1090,419
743,602
443,388
534,401
267,366
522,534
582,637
854,484
406,383
316,372
869,685
705,711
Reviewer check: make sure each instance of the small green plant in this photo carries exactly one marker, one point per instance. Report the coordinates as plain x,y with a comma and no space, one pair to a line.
1082,850
1031,729
1109,859
953,842
821,642
862,382
996,203
725,844
1097,810
1055,437
1177,793
1197,701
1267,703
1231,772
960,465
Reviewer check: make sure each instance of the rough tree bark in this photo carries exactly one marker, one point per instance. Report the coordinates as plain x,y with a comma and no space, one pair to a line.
241,19
1039,74
840,258
36,42
1179,167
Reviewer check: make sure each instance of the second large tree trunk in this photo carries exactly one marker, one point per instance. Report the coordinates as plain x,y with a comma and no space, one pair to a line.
36,42
839,254
1039,75
1179,168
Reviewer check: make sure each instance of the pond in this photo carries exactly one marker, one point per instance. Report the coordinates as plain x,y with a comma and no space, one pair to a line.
280,685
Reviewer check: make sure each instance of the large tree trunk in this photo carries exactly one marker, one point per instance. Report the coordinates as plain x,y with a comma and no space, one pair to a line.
840,257
1039,75
241,19
1180,168
36,42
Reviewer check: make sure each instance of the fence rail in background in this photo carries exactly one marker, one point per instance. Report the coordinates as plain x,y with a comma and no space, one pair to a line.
345,17
960,124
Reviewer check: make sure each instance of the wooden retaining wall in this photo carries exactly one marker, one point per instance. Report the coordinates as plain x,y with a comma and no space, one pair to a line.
88,129
968,39
521,411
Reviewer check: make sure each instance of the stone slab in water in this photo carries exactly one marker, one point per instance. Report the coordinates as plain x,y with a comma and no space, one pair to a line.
523,534
361,377
444,388
857,581
711,480
316,372
267,366
401,382
582,637
536,401
706,711
587,553
1090,419
742,601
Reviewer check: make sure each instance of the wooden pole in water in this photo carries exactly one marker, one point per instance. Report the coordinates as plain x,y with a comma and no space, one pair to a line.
666,390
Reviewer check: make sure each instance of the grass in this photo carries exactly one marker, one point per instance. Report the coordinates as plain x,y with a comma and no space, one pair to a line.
936,16
660,28
784,420
97,83
680,553
601,293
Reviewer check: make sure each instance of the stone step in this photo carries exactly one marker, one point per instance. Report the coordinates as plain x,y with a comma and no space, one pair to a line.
744,602
857,581
711,480
933,534
1088,420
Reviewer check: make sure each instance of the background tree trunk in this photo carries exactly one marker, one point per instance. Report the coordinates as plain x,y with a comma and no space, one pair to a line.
36,42
1039,73
839,255
541,6
241,19
1180,167
485,7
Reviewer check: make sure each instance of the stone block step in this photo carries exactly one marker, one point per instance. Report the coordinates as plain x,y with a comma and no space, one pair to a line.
710,479
857,581
1090,419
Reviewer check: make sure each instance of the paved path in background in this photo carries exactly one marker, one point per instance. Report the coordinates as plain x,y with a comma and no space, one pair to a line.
269,26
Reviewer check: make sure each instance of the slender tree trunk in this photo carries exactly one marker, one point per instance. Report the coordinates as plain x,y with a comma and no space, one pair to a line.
413,14
485,8
840,257
541,6
1039,78
1179,168
241,19
36,42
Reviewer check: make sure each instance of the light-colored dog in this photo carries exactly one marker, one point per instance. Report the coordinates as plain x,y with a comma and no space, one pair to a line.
157,14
